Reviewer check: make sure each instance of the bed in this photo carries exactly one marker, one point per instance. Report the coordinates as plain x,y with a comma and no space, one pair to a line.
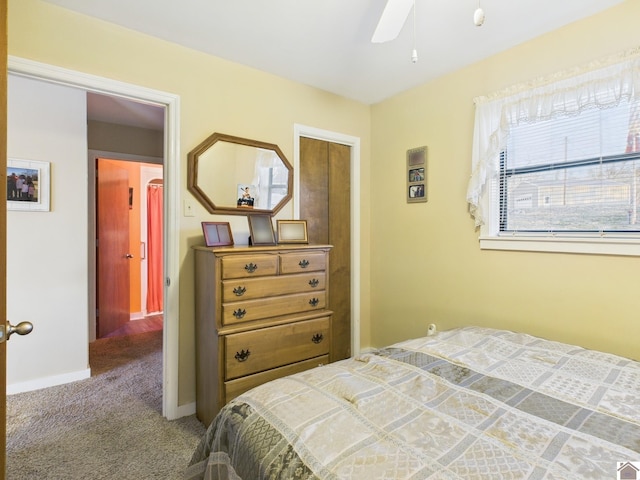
466,403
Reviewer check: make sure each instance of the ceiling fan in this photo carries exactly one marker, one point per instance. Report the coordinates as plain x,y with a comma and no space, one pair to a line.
394,16
392,20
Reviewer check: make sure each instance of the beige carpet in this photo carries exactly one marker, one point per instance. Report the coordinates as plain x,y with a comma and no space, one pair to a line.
109,426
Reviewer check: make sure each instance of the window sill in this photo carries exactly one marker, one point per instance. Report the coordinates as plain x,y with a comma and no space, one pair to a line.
628,246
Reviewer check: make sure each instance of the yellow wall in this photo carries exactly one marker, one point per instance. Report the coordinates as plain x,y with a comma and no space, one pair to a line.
426,262
427,265
215,96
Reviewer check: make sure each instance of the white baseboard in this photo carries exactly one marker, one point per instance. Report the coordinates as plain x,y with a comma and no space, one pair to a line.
47,382
185,410
136,316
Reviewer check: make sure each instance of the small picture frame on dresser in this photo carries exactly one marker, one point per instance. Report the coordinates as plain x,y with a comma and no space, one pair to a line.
217,234
292,231
261,230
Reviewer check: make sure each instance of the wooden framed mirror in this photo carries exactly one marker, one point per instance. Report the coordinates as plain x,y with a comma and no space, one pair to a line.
237,176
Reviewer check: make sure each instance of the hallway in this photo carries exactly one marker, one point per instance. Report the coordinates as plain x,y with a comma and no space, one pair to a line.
147,324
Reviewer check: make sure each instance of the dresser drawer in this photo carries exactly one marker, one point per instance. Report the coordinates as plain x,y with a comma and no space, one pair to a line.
302,262
252,288
236,387
247,266
263,349
250,310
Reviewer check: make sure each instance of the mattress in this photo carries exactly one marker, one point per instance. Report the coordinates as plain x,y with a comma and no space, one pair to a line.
462,404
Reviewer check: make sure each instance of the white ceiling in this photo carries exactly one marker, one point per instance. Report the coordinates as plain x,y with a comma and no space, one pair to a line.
104,108
327,43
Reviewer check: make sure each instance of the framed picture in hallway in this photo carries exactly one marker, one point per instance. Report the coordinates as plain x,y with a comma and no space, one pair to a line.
217,234
28,184
416,175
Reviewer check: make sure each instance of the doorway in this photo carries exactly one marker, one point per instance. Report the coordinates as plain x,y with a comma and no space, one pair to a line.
170,102
129,260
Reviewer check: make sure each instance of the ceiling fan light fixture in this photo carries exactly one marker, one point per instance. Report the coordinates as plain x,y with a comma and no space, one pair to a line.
478,17
414,56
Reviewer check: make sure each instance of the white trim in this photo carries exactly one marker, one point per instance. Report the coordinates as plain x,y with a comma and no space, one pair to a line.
171,102
367,350
353,142
584,245
46,382
127,157
186,410
491,239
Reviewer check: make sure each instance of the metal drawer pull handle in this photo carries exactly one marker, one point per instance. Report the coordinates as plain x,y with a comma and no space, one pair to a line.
303,263
239,291
241,312
314,282
242,355
252,267
313,302
317,338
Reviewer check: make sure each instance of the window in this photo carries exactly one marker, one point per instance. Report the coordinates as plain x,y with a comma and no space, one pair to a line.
556,165
578,174
277,185
271,177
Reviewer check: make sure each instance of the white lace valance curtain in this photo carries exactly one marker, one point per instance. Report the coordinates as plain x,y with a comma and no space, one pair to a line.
600,84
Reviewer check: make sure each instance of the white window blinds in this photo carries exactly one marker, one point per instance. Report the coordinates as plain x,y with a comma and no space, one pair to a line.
575,172
559,139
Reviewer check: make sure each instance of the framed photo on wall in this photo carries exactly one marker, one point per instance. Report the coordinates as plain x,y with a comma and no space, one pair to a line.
416,175
28,185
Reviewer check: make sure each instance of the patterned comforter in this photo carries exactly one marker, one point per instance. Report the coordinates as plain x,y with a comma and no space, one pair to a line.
466,403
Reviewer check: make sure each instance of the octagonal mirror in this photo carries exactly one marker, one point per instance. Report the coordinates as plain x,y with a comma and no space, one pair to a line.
237,176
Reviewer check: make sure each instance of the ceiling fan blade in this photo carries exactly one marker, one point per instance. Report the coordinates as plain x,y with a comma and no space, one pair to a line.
392,20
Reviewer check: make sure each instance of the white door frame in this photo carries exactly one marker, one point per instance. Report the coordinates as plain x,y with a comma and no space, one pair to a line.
353,142
171,103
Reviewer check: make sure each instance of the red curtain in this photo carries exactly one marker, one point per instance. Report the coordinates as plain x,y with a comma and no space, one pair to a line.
154,249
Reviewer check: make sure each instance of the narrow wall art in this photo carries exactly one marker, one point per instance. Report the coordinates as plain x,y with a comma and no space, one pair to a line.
416,175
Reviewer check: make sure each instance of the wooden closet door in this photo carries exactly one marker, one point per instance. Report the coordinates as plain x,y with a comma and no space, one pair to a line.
325,179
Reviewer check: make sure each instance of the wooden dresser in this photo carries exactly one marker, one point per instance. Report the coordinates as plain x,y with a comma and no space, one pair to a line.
261,313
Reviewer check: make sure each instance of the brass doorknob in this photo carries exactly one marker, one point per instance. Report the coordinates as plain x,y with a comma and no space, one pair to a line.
23,328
